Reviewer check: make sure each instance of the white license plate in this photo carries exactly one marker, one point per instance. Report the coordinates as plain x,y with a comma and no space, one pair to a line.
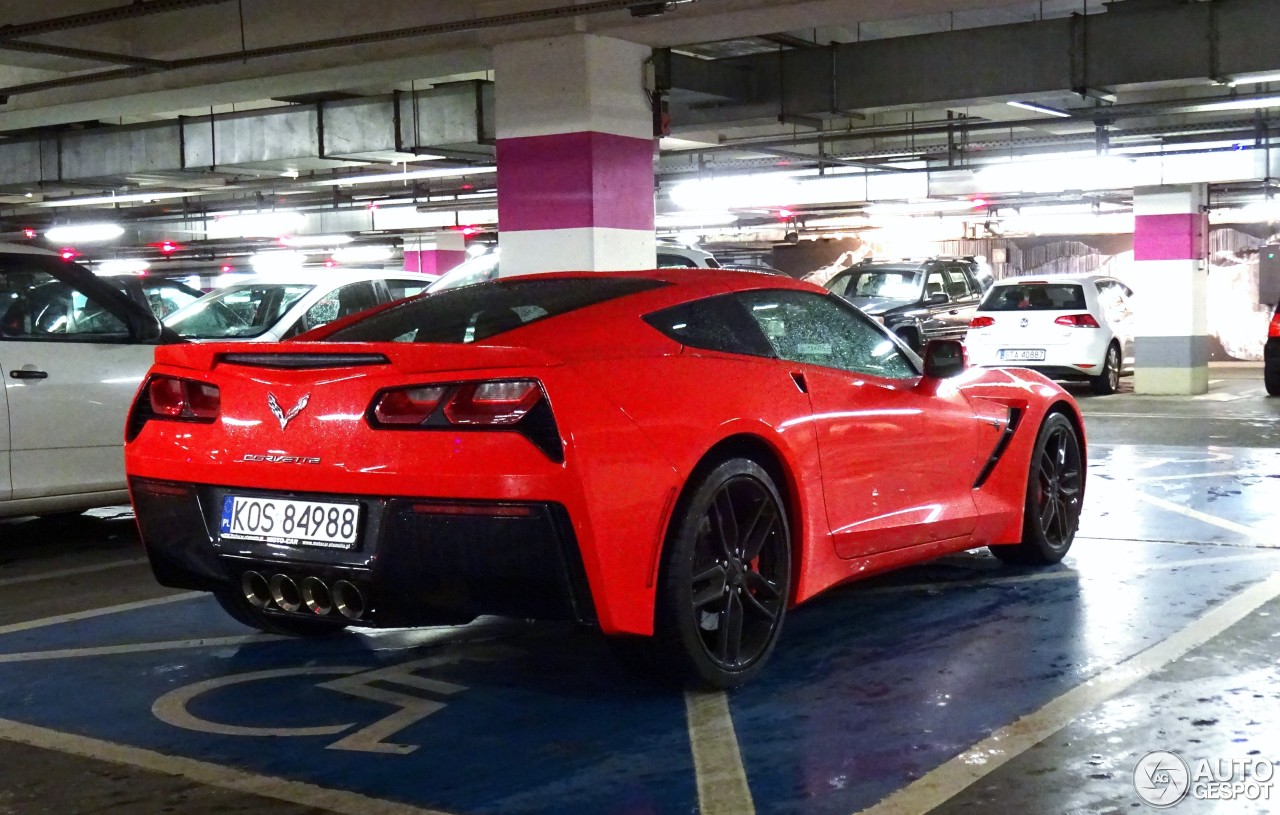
1023,354
289,522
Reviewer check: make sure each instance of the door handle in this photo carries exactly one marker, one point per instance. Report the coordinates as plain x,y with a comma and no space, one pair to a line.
27,373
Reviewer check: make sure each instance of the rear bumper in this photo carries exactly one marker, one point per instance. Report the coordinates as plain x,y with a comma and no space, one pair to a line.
418,562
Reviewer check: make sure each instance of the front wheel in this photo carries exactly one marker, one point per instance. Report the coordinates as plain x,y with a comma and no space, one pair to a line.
1108,382
725,578
1055,492
1272,380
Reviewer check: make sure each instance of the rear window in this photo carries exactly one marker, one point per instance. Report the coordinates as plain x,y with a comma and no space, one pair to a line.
1034,297
484,310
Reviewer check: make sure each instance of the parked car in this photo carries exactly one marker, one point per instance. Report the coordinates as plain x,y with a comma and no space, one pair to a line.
917,300
1271,355
163,295
1068,327
73,349
674,456
485,267
272,307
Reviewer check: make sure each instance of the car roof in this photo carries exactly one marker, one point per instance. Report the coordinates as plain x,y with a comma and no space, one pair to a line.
328,277
1053,278
26,249
732,279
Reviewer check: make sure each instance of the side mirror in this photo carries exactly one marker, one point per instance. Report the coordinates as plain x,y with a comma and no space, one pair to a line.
944,359
145,329
938,298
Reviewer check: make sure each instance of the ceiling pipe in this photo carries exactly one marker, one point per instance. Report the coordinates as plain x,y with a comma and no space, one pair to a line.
138,8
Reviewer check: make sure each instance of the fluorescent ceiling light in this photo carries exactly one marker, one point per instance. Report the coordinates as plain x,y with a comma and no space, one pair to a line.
316,240
673,220
123,266
1253,80
921,207
1244,103
1090,173
84,233
100,200
277,261
1038,108
363,254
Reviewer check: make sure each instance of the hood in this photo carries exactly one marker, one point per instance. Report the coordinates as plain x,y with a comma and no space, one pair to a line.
879,305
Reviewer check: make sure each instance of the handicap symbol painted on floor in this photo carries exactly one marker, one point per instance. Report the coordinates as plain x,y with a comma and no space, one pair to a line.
358,681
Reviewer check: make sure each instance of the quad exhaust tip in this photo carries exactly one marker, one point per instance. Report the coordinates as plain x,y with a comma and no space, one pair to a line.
312,595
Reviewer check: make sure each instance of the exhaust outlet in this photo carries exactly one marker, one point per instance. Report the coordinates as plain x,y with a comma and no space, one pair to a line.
348,600
316,596
255,589
285,592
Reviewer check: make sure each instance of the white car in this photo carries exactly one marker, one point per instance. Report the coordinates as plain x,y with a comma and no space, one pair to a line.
485,267
273,307
73,349
1069,327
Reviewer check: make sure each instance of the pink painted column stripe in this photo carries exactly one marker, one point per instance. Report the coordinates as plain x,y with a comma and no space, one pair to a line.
575,180
1176,236
433,261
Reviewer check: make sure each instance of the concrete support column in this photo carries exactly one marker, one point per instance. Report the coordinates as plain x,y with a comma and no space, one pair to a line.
575,155
448,250
1170,243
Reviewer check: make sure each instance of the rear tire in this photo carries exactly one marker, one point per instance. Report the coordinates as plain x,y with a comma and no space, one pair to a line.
1055,492
1108,382
725,579
235,604
1272,380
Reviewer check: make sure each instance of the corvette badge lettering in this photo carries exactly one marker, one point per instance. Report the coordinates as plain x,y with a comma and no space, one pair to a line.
281,459
285,418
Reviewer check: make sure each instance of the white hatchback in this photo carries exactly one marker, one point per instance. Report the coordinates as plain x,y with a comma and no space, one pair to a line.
273,307
1068,327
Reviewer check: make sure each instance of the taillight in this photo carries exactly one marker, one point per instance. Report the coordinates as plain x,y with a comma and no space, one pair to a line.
1273,330
493,403
1077,321
504,404
981,322
407,406
174,398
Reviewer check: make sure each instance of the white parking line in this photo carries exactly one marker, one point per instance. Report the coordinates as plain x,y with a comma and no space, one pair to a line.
214,775
945,782
137,648
1263,538
717,762
101,567
98,612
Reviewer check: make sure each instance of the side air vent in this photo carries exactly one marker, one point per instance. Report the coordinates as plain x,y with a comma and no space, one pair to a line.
303,361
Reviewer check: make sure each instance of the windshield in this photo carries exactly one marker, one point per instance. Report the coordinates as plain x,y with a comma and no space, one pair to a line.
1034,297
475,270
247,310
479,312
897,284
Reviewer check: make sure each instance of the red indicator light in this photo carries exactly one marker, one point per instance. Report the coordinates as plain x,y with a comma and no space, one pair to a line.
784,214
69,254
226,267
979,203
29,232
168,247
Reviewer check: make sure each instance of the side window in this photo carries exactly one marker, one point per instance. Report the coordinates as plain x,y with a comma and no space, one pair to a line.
819,330
958,283
935,283
167,298
341,302
667,261
714,324
400,289
841,284
40,307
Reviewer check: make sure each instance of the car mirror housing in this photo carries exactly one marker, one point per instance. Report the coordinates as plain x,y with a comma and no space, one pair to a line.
938,298
146,329
944,359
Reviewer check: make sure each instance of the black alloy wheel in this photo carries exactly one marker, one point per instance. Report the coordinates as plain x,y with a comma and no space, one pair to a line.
1055,494
726,578
1108,382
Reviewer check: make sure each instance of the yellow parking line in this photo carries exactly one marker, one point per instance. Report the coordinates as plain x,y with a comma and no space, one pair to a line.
717,762
945,782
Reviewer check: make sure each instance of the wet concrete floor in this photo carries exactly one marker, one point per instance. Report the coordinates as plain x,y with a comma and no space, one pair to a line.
957,686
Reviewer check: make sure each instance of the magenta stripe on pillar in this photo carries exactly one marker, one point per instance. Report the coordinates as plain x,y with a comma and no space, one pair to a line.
575,180
1175,236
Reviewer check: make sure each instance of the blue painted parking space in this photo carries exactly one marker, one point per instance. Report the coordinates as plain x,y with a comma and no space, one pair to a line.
872,685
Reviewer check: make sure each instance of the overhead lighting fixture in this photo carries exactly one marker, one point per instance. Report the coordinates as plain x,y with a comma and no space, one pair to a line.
676,220
316,240
123,266
1038,108
1243,103
277,261
84,233
382,178
108,200
1252,80
363,254
271,224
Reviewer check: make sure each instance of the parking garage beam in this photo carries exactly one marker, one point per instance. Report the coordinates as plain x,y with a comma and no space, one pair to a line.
1170,244
575,155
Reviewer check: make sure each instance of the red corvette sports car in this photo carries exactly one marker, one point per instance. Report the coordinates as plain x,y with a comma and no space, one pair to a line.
675,457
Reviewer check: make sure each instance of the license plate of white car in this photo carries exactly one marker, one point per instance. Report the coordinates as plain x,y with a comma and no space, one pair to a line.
1022,354
290,522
